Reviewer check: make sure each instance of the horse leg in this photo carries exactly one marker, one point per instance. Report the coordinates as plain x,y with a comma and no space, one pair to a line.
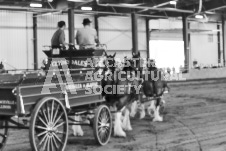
162,106
141,109
157,117
165,85
118,131
126,125
151,109
77,129
133,109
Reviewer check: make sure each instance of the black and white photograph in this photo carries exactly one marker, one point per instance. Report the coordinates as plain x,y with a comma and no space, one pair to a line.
112,75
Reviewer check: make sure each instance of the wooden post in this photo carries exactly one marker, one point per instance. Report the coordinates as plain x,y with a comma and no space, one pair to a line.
147,37
35,40
219,43
223,35
134,33
96,24
71,27
186,42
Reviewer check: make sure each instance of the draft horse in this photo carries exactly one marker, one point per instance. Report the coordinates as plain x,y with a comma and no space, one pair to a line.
120,89
153,87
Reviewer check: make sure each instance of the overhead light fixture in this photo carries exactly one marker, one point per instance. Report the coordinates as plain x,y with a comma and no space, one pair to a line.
35,5
86,8
166,3
199,16
173,2
74,0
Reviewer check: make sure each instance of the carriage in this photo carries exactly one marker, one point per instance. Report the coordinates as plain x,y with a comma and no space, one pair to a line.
43,102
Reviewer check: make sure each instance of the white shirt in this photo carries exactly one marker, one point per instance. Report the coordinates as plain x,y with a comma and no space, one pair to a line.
86,36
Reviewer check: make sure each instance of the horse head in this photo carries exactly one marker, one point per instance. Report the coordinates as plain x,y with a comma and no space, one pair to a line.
110,61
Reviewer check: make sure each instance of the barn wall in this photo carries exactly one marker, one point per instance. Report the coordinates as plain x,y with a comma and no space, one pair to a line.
116,33
16,36
202,49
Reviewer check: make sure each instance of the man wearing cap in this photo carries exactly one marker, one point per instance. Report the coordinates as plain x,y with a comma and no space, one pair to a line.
87,37
58,38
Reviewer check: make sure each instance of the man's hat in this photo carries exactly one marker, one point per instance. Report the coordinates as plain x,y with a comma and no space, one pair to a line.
86,21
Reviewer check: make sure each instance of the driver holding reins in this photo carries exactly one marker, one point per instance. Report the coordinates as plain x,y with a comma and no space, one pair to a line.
86,37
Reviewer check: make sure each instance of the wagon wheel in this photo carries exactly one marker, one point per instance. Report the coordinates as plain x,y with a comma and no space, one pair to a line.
3,133
49,126
102,125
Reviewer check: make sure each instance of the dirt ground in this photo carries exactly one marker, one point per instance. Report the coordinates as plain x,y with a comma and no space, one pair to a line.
194,120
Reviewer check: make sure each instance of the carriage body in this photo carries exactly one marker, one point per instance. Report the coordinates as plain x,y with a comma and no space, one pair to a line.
19,93
22,94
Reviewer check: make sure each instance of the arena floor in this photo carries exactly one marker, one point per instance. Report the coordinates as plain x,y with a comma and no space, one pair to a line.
194,120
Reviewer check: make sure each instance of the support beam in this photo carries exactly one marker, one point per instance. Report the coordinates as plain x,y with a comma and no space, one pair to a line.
35,38
71,26
186,42
219,43
147,37
96,24
223,35
208,5
134,33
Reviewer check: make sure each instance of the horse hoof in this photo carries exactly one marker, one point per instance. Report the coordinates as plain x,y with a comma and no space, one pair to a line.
159,119
129,128
132,116
78,134
122,134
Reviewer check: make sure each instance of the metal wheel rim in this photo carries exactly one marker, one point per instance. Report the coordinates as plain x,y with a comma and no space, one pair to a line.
3,133
103,125
50,121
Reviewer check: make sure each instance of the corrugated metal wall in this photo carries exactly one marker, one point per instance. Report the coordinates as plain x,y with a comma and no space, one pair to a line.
116,33
199,45
16,36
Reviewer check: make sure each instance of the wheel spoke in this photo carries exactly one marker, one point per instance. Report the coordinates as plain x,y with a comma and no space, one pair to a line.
45,143
48,144
44,114
107,117
51,143
59,125
58,138
40,134
58,119
51,116
42,140
42,121
105,114
40,127
56,113
47,107
54,142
